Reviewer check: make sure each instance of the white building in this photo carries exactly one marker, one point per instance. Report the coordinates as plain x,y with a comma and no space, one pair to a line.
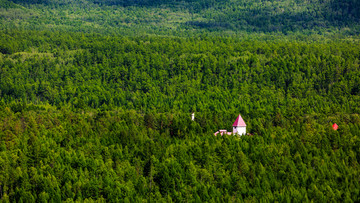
239,126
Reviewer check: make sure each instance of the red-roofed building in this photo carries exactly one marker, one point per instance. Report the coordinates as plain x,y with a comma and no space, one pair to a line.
335,126
239,127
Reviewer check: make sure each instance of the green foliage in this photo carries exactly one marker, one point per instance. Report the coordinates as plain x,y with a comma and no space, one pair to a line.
7,4
55,155
155,74
96,106
186,17
87,117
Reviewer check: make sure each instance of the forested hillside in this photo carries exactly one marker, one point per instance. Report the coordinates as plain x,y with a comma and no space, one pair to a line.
87,116
96,98
185,18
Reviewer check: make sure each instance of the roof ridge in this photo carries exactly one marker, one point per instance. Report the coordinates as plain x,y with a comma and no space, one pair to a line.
239,122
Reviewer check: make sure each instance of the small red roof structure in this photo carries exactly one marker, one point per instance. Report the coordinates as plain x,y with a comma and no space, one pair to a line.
239,122
222,132
335,126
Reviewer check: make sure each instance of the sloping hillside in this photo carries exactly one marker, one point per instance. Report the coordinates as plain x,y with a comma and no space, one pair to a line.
96,99
88,117
187,17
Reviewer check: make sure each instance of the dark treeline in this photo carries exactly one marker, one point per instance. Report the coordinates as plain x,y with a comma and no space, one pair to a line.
179,18
107,118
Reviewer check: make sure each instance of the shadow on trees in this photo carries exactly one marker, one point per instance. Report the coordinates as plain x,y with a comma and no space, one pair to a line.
266,19
348,10
193,5
153,3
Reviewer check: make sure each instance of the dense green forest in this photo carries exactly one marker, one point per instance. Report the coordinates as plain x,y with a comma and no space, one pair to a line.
96,99
185,18
94,117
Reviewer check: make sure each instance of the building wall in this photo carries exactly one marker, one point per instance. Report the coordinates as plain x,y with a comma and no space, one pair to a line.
239,130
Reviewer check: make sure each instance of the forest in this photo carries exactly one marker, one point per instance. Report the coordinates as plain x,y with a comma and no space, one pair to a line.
185,18
98,110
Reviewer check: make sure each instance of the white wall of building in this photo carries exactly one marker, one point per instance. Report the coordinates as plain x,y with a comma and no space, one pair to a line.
239,130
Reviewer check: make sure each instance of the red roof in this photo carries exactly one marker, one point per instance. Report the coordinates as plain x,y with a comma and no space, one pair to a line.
335,126
239,122
222,132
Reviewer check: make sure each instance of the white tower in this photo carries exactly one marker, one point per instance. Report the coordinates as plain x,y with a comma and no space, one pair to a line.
193,116
239,126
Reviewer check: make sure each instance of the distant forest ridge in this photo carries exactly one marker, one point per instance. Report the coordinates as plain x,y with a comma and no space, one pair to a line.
174,16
